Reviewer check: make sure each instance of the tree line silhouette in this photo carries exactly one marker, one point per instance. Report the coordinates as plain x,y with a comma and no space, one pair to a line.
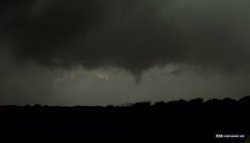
175,122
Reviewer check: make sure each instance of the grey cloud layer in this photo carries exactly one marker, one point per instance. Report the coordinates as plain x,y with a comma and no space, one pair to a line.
134,35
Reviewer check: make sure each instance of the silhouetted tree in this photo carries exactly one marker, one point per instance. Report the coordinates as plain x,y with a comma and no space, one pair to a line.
141,105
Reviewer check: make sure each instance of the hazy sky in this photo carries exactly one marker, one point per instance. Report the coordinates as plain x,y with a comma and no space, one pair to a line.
96,52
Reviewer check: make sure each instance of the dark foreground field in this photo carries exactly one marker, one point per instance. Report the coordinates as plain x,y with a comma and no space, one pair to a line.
173,122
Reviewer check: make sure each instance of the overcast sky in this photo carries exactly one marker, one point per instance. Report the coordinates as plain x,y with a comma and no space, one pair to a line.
96,52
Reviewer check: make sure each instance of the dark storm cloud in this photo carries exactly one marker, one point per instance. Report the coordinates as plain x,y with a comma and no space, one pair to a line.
134,35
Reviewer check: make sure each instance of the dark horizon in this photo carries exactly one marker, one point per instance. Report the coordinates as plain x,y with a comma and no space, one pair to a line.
178,121
197,100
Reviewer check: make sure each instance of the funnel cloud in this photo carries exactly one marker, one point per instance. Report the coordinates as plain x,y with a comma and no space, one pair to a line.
139,36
